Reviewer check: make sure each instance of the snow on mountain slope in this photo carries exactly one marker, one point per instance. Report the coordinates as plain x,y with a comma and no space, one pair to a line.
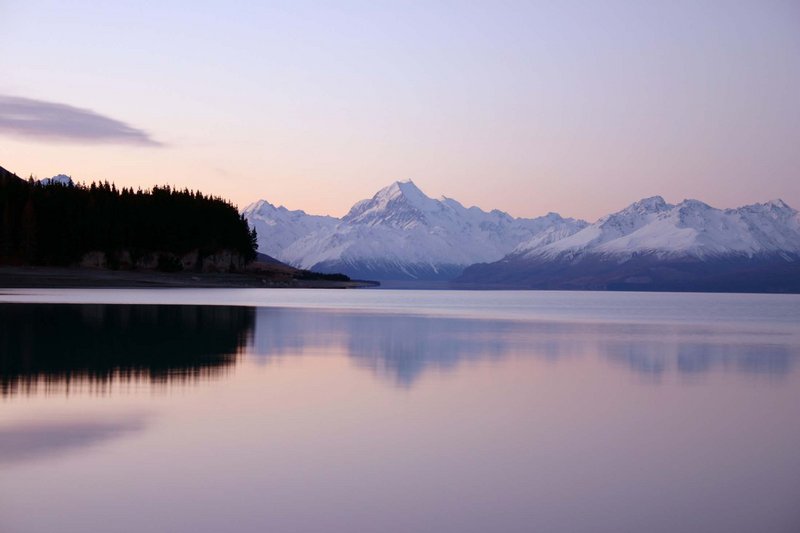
653,245
774,225
400,205
400,233
61,179
690,228
278,227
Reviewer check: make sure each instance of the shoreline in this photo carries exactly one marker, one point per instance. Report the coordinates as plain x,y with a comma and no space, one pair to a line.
74,277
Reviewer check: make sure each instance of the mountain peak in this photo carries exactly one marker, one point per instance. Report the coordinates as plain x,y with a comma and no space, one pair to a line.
778,204
636,214
61,179
260,204
690,203
398,188
401,203
652,204
264,208
775,207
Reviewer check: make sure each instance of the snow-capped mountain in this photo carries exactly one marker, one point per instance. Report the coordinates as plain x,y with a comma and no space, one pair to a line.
652,243
278,227
400,233
61,179
690,228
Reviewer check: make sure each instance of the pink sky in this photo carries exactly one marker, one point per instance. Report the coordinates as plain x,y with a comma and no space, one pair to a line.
525,107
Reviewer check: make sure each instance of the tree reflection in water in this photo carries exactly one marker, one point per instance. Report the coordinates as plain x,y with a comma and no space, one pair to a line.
63,346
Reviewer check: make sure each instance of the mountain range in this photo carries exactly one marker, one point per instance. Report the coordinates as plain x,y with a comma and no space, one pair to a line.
402,234
654,245
399,234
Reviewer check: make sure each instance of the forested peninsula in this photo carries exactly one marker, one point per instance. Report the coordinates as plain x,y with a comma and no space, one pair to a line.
55,224
66,234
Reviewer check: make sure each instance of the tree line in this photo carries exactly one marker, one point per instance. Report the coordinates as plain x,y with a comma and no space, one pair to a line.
58,224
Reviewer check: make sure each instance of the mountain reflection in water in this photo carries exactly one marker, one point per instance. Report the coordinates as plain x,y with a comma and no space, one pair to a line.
402,348
302,411
59,346
64,345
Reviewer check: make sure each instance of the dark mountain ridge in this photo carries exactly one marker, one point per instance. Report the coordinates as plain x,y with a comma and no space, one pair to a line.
644,272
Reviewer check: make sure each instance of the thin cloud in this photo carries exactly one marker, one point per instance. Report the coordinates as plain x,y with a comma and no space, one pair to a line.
26,117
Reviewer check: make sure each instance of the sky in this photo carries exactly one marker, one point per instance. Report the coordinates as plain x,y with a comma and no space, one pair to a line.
577,107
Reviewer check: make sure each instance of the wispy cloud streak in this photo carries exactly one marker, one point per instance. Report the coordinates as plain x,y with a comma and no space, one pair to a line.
26,117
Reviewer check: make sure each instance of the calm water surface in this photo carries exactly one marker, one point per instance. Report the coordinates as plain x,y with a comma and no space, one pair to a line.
398,411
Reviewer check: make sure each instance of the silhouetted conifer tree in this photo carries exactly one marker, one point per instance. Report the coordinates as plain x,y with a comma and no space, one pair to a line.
56,224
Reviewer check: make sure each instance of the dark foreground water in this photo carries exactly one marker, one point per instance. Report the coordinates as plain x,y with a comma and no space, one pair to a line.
383,411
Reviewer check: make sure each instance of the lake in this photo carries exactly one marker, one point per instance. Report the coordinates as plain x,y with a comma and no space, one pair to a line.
398,411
